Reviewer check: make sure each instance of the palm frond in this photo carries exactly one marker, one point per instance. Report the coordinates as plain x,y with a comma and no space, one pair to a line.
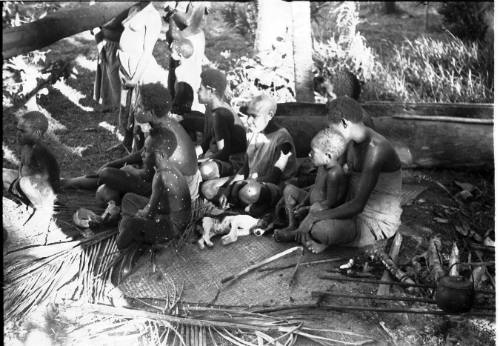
30,280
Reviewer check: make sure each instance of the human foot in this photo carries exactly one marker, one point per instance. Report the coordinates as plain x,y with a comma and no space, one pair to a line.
284,235
315,247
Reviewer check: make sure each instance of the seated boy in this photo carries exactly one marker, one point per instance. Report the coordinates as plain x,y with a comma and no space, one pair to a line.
372,209
224,141
329,188
271,159
118,177
165,215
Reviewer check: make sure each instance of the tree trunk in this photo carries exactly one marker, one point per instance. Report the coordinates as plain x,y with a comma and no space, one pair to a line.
273,36
58,25
302,51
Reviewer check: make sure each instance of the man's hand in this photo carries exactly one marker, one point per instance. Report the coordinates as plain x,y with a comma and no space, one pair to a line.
129,83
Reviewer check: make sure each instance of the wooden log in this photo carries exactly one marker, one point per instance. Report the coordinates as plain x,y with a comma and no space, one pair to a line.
384,290
385,108
58,25
421,142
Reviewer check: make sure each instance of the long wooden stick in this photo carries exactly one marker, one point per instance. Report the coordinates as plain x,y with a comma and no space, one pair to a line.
335,259
404,284
261,263
321,294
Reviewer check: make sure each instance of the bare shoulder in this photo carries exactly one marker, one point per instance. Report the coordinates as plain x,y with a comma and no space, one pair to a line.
382,152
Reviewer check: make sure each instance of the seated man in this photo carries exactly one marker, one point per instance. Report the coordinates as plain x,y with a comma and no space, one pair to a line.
118,177
330,186
372,208
223,129
36,182
271,159
165,215
33,186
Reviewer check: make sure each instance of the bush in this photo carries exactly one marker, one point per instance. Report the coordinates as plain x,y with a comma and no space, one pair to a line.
242,17
466,19
419,70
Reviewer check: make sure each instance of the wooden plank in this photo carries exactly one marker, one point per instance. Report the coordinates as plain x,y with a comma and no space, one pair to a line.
383,109
383,289
419,143
58,25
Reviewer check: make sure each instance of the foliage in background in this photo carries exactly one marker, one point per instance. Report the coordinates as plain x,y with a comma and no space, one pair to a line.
466,19
16,13
248,77
242,17
419,70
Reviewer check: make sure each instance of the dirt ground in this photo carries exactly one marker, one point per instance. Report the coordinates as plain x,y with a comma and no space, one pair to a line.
79,136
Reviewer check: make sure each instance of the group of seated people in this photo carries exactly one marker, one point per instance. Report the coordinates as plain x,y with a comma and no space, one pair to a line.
237,159
247,163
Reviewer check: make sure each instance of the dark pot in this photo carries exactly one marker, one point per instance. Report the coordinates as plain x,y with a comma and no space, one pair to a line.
454,294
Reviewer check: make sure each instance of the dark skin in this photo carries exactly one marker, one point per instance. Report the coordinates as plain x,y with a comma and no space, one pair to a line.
170,190
369,153
37,162
184,155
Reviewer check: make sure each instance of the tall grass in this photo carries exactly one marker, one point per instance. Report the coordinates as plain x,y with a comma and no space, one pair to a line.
423,69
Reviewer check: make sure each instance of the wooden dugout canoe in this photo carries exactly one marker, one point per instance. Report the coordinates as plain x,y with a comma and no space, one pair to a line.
426,135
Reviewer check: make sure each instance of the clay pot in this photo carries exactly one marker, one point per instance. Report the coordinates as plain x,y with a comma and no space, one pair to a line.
454,294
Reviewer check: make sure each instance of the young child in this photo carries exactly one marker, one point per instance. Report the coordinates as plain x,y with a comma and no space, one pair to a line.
270,160
372,209
165,215
329,188
224,133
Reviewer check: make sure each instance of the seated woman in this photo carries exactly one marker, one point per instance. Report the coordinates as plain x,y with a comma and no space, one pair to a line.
271,159
223,128
118,177
330,186
372,208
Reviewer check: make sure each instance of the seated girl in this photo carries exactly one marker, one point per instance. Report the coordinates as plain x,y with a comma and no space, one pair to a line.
224,136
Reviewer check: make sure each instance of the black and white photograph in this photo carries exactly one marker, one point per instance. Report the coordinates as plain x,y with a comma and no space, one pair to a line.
263,172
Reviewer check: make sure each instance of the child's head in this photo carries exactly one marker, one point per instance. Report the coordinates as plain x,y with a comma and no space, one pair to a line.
213,83
159,145
260,110
183,100
31,127
326,147
182,49
154,102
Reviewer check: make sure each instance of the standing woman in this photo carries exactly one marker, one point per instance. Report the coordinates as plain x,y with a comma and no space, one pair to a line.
141,30
107,84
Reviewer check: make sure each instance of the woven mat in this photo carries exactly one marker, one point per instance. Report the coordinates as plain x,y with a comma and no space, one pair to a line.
199,272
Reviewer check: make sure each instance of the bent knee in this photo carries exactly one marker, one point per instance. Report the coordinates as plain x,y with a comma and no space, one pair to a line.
208,190
336,173
104,194
209,170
